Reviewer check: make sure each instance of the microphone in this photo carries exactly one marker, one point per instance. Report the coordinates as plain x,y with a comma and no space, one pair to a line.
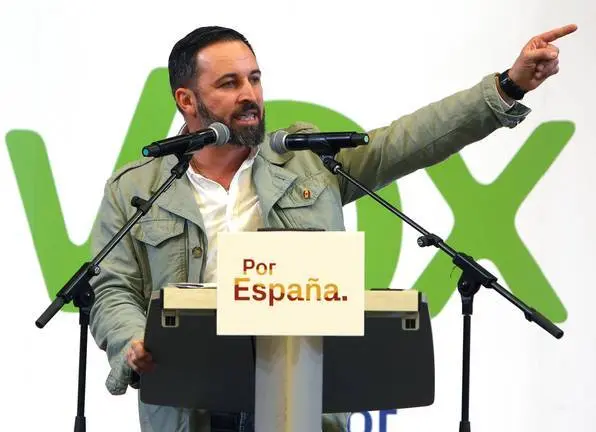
282,141
216,134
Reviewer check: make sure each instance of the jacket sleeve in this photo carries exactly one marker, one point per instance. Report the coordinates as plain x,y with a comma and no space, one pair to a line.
118,313
427,136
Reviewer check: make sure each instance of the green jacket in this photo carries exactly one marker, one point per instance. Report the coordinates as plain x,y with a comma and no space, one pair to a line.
169,243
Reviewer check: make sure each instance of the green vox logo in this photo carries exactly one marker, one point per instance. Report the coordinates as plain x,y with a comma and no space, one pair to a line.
485,234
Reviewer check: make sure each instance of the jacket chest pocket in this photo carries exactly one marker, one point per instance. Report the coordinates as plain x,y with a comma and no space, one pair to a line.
164,243
304,203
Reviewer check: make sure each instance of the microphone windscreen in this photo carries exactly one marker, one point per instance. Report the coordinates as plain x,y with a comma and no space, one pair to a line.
277,141
222,132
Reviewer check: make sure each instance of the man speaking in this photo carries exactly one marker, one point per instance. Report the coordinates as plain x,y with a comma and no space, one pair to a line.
239,185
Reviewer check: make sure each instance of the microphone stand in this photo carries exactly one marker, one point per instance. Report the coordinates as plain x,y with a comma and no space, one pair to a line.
79,291
472,277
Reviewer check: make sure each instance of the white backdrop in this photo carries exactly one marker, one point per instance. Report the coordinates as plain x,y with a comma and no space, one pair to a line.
73,72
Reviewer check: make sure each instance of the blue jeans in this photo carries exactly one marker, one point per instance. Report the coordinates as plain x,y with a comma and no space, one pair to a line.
156,418
232,422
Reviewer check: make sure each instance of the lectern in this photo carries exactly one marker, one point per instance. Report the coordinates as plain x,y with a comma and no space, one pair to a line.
288,381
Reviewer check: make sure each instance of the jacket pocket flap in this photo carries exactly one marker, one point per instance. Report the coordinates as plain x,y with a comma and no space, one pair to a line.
155,231
304,192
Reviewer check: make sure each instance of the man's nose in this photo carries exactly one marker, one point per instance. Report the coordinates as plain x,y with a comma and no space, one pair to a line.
247,92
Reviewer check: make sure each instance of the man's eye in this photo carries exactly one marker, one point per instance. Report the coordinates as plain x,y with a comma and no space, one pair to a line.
228,84
256,79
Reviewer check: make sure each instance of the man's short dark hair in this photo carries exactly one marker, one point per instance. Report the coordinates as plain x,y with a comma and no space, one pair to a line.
182,65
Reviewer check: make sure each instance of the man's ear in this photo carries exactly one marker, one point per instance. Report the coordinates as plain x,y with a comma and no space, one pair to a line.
186,101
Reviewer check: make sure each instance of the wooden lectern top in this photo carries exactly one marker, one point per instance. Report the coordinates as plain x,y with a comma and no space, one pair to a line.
201,297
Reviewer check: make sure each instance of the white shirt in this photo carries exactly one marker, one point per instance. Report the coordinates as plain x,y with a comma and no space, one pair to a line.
234,210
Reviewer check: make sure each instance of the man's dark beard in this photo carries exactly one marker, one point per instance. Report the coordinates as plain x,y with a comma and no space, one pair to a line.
249,136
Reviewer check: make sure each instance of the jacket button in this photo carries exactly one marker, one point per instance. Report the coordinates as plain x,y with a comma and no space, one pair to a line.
197,252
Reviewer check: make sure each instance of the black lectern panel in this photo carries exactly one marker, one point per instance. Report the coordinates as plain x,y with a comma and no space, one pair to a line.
195,368
389,368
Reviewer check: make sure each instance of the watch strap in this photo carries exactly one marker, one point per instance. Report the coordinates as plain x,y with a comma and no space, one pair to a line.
510,88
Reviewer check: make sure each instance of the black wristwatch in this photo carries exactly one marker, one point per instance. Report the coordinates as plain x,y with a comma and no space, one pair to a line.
509,87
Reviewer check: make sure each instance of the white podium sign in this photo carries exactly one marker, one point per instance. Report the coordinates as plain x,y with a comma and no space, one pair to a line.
290,283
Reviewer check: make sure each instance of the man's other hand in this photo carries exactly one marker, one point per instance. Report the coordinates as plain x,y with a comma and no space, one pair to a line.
139,359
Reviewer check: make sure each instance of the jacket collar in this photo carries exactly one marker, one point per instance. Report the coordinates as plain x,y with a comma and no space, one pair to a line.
270,178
